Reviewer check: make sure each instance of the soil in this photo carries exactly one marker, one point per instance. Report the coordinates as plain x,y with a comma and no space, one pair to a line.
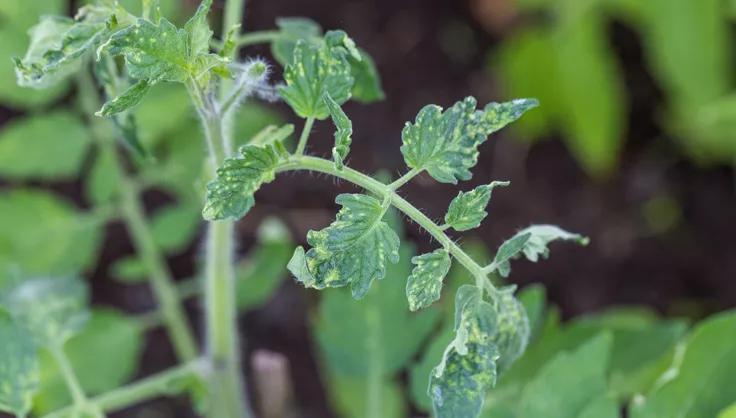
687,269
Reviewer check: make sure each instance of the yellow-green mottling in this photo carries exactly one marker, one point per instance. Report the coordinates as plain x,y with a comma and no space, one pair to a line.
445,143
52,309
230,195
512,329
467,210
343,133
354,250
315,70
424,285
19,372
458,385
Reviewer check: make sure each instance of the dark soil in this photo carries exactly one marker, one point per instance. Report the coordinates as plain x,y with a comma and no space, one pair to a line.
626,263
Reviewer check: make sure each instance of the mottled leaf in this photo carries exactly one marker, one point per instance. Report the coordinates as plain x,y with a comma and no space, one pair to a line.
512,329
51,146
128,99
375,337
458,385
425,283
19,375
468,209
59,45
198,30
51,309
343,133
531,242
445,144
314,71
230,195
354,250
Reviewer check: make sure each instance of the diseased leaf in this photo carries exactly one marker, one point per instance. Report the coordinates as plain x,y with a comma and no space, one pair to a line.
354,250
531,242
59,45
458,385
377,335
512,330
128,99
343,133
118,340
467,210
445,144
230,195
19,375
47,147
315,70
51,309
425,283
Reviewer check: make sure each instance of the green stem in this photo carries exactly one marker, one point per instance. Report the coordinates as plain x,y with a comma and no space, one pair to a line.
404,179
134,216
81,402
384,191
150,387
304,137
260,37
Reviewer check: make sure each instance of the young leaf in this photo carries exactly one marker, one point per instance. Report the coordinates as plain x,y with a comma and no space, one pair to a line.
446,143
128,99
425,283
467,210
19,375
230,195
59,45
314,71
343,133
51,309
198,30
51,146
532,242
354,250
458,385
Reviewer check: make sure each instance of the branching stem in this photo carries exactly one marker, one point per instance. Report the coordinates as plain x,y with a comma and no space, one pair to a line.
81,402
303,162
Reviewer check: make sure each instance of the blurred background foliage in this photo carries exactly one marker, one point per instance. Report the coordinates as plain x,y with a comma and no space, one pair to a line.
670,94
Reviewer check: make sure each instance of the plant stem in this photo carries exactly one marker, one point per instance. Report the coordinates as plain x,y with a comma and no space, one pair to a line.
81,402
134,216
254,38
304,137
404,179
147,388
303,162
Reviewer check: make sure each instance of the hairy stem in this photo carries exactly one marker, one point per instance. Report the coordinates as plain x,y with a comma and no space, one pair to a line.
304,137
133,213
150,387
303,162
